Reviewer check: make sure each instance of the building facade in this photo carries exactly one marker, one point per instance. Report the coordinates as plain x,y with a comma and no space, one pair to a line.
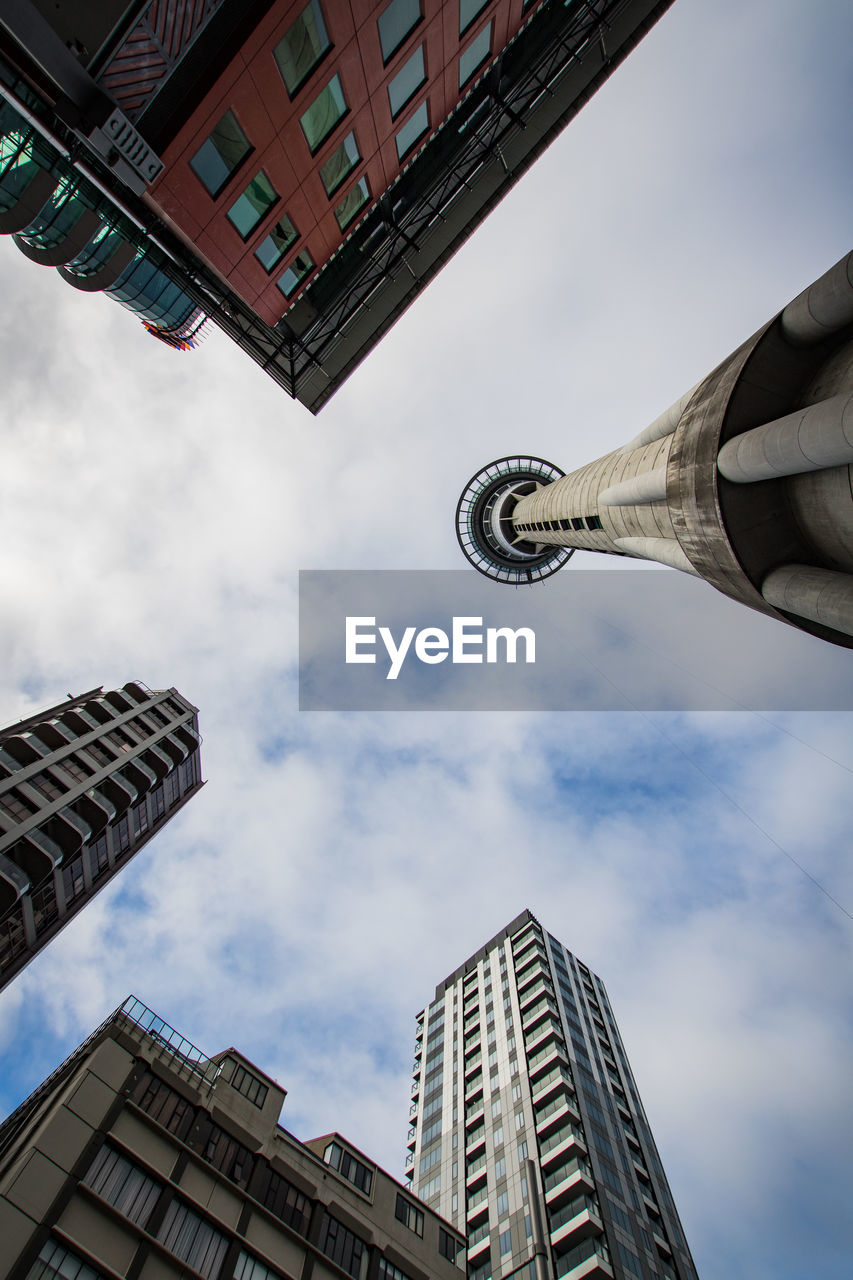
295,171
142,1159
527,1129
83,786
746,481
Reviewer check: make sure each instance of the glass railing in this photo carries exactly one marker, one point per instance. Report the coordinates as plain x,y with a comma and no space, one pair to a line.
562,1135
595,1248
567,1170
556,1073
478,1234
571,1210
542,1113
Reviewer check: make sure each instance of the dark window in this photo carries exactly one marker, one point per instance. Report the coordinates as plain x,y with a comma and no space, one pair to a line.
250,1086
72,880
16,806
164,1105
225,1153
158,803
577,522
76,768
172,788
283,1200
407,1213
187,772
139,815
221,154
253,205
353,1170
414,129
407,81
299,268
47,784
354,200
323,115
448,1247
303,47
55,1262
593,522
395,23
99,858
475,55
121,836
272,249
340,163
342,1245
468,10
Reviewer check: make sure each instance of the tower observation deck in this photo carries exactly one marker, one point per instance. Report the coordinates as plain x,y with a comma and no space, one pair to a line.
746,481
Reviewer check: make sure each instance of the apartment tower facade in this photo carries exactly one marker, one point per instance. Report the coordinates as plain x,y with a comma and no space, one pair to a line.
746,481
83,786
527,1129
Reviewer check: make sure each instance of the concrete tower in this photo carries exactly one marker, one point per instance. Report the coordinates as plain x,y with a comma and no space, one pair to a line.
746,481
83,786
527,1129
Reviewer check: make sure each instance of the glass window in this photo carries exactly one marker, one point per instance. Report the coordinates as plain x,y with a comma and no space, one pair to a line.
193,1240
295,273
340,163
55,1261
248,1267
407,81
414,128
324,113
342,1246
123,1185
406,1212
506,1242
503,1204
352,202
256,201
271,250
475,55
468,10
221,154
395,23
302,47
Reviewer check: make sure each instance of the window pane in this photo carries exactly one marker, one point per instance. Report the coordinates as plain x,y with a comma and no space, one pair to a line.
324,113
412,130
395,24
352,202
468,10
298,270
302,47
407,81
475,55
258,198
220,154
340,163
271,250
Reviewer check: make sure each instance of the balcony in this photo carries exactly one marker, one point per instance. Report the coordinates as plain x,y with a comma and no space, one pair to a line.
576,1221
478,1248
475,1140
542,988
589,1258
562,1107
577,1177
568,1142
559,1078
539,1035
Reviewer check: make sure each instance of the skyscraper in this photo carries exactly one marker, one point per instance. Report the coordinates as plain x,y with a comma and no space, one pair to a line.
527,1129
83,786
295,171
746,481
141,1157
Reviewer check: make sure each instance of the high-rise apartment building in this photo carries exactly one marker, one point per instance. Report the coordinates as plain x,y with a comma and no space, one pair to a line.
746,481
296,170
527,1129
83,786
142,1159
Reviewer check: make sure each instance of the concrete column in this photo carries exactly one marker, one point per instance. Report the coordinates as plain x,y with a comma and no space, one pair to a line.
823,308
664,424
808,440
665,550
820,595
648,486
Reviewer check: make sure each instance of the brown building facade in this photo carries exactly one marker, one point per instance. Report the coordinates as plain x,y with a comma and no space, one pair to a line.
142,1159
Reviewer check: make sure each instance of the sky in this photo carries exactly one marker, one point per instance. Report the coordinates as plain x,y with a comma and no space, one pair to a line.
155,508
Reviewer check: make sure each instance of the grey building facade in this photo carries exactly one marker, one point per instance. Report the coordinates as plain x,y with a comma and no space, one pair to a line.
140,1158
83,786
527,1129
745,481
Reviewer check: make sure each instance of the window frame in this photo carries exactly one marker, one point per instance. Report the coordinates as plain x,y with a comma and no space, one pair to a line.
401,107
409,148
316,147
488,29
300,84
387,57
245,236
215,193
